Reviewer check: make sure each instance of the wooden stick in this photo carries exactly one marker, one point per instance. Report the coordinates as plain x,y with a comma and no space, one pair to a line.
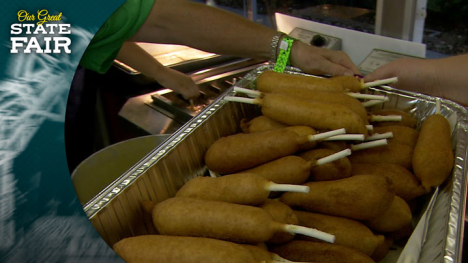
366,145
346,137
437,106
213,174
324,135
385,118
293,229
256,101
333,157
369,127
370,103
254,93
379,136
274,187
366,96
380,82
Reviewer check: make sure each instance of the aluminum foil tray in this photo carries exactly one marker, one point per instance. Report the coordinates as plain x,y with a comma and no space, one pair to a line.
117,212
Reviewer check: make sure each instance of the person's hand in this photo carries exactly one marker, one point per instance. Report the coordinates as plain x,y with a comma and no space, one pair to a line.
178,82
413,74
319,61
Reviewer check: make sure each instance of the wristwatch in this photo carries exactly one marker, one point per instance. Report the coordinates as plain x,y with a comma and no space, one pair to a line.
274,46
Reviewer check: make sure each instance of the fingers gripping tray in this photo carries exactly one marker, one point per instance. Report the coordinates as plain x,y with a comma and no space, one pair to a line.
118,211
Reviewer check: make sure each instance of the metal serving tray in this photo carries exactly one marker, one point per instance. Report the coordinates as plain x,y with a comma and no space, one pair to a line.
117,212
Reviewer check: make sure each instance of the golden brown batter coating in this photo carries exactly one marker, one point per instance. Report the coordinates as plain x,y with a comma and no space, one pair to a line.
283,214
406,184
359,197
395,218
242,188
349,83
394,153
286,170
382,250
329,97
307,251
241,151
338,169
260,124
173,249
433,157
318,115
348,232
270,81
180,216
401,134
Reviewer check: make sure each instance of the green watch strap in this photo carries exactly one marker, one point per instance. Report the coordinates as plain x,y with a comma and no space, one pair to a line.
284,54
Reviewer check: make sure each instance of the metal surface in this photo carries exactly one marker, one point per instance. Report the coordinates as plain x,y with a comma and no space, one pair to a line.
164,111
117,212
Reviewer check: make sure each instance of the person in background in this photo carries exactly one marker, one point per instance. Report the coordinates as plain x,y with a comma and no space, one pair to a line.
199,26
445,77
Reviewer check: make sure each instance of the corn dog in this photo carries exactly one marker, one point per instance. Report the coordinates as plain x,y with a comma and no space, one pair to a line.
396,217
401,235
260,254
348,232
239,152
382,250
243,188
281,213
296,169
263,255
243,151
349,83
401,134
394,153
296,111
359,197
407,120
307,251
318,115
270,81
355,84
325,96
173,249
433,157
221,220
286,170
338,169
405,183
262,123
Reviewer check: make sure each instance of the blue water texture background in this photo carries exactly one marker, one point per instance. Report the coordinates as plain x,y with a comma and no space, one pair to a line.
41,219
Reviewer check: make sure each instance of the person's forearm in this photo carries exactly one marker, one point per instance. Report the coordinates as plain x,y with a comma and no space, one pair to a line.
134,56
137,58
453,72
206,28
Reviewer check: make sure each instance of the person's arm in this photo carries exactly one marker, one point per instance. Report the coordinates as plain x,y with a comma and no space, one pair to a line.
446,77
137,58
218,31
